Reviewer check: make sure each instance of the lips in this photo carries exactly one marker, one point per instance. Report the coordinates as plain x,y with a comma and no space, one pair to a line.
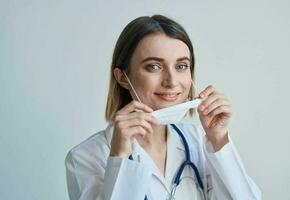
168,96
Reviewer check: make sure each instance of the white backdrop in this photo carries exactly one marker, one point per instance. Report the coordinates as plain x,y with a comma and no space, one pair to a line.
54,71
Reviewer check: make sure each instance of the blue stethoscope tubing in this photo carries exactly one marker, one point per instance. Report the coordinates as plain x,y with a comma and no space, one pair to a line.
185,163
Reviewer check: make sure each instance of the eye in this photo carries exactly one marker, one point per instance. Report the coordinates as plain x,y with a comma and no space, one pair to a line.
182,67
153,67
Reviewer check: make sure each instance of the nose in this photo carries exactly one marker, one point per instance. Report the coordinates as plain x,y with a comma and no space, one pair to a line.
169,79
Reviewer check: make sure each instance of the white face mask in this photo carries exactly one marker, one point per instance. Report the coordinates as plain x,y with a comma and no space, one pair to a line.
169,115
176,113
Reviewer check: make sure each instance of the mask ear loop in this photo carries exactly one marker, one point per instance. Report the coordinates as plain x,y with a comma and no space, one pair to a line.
190,98
131,88
133,94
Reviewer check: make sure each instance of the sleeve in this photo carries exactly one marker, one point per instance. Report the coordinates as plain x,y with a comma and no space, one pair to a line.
226,176
117,180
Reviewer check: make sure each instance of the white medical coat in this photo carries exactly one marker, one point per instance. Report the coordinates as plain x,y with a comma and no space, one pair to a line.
93,175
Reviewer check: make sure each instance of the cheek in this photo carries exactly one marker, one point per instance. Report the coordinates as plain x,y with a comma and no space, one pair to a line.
145,84
187,83
186,92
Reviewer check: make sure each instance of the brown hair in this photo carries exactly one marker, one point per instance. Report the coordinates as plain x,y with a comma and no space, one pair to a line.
126,44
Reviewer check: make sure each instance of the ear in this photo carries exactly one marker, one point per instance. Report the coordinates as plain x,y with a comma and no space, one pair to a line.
120,78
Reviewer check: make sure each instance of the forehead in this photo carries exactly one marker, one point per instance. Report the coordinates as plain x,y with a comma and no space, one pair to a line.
161,45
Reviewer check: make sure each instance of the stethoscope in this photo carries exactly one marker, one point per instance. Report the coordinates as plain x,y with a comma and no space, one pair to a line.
188,162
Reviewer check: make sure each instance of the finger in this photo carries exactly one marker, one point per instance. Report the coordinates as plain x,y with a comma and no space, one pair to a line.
196,97
221,109
207,91
136,130
146,116
215,104
133,105
136,122
205,103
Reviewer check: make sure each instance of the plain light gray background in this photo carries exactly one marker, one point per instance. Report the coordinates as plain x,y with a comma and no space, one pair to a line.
54,70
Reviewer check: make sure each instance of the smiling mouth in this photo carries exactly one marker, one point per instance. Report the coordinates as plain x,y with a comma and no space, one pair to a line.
168,96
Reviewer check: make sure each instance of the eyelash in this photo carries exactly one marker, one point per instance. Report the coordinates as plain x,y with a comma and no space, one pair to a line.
185,66
150,67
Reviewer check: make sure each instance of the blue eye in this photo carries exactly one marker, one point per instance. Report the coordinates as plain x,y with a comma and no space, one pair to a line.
182,67
153,67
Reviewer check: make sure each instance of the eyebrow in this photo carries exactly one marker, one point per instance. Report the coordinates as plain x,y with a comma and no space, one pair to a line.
162,60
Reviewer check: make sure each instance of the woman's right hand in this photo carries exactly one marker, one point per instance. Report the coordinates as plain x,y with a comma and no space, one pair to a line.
128,125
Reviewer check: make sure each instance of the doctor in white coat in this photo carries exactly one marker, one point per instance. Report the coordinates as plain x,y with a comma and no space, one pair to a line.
136,157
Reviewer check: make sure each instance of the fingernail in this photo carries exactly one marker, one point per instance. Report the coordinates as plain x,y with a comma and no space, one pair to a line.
201,108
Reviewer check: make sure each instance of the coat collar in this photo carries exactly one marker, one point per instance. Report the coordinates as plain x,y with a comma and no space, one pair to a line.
177,144
175,156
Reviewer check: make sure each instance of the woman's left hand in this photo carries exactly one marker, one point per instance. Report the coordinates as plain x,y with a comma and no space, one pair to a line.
215,112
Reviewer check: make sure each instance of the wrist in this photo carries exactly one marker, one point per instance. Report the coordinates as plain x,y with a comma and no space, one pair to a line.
219,141
117,154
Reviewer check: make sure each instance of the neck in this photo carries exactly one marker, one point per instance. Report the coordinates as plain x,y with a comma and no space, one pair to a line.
157,139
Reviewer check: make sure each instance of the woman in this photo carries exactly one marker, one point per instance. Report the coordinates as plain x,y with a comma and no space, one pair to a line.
136,157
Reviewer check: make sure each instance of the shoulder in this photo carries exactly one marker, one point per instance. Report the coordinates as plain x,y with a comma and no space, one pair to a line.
94,150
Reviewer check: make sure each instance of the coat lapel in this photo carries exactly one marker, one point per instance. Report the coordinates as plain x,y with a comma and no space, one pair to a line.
175,156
